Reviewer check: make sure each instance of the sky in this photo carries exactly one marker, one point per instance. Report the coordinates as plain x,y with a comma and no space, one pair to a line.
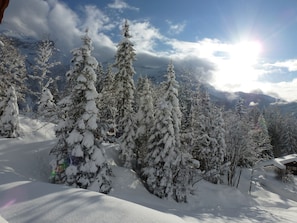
235,45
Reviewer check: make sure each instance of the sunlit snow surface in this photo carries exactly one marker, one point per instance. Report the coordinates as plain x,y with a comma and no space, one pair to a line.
26,196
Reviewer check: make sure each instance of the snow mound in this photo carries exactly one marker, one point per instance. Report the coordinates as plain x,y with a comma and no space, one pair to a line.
36,202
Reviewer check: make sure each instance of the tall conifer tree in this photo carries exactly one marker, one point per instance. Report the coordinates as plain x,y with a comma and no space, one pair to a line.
144,120
124,96
165,165
79,138
124,83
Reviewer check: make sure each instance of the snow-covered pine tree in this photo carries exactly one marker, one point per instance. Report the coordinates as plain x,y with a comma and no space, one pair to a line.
9,120
187,169
13,69
138,90
188,87
144,120
260,136
106,105
239,108
12,84
46,106
219,146
79,138
195,129
124,96
288,138
124,84
209,146
127,141
277,126
171,96
166,170
159,163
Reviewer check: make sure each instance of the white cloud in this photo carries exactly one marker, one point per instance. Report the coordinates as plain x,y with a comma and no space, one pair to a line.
290,65
63,23
27,17
176,28
96,22
285,90
120,5
205,48
144,36
37,18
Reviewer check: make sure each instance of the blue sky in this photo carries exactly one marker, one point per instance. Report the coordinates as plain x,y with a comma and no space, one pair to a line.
237,45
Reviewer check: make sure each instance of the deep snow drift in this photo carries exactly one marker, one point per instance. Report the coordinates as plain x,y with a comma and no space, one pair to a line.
26,195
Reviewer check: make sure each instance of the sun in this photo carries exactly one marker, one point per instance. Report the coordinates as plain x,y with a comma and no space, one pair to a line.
245,53
238,70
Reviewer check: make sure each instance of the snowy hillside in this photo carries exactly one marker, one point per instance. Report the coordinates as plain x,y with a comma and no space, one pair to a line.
26,195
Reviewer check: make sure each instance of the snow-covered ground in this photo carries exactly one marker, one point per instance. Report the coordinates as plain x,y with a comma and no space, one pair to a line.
26,195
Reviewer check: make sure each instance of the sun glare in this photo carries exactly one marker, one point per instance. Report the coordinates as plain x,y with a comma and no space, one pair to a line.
239,70
246,53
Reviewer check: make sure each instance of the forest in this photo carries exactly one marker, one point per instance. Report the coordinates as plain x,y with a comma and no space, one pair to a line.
171,133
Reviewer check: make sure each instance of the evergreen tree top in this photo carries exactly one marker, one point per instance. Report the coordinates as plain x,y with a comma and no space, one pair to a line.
170,71
125,30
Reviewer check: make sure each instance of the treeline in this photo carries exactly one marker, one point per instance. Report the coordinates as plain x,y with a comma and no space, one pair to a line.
171,134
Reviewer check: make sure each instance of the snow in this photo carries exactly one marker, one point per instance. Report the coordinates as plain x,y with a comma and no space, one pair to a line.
26,195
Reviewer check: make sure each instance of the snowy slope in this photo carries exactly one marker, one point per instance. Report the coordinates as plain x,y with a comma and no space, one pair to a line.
25,195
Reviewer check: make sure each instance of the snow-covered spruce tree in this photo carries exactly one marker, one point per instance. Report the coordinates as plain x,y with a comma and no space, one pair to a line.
288,138
159,163
166,168
144,121
209,146
82,140
171,96
46,106
259,133
196,129
12,75
239,108
9,120
124,97
123,83
189,85
106,105
277,126
138,90
13,69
